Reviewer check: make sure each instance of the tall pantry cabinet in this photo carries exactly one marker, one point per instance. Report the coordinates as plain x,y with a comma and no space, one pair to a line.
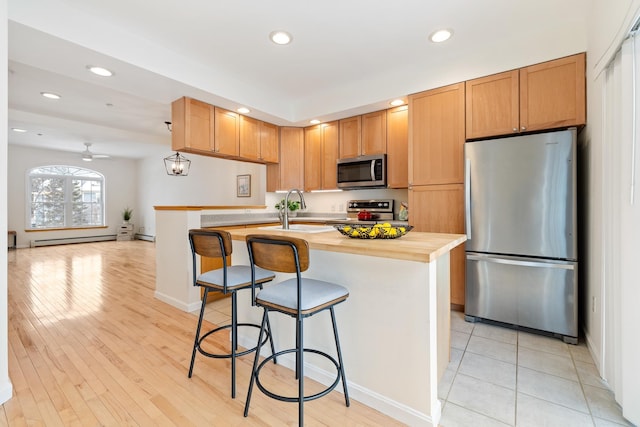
436,170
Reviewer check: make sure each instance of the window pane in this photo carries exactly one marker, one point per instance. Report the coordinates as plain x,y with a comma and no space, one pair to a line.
65,196
86,202
47,202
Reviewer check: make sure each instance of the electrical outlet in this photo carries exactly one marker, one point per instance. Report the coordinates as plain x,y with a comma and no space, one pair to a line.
593,304
333,208
341,207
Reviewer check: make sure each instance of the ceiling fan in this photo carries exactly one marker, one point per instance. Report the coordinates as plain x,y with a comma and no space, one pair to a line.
88,156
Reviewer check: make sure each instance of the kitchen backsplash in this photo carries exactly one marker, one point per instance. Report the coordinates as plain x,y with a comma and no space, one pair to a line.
335,202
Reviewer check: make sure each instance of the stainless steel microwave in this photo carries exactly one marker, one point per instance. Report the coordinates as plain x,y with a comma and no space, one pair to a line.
363,172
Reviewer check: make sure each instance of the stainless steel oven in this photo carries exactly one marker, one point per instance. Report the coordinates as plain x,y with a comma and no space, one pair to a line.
362,172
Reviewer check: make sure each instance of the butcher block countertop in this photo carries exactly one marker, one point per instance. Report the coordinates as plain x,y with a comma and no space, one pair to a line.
413,246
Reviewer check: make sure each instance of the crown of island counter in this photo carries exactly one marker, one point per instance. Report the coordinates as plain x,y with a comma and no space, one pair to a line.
394,326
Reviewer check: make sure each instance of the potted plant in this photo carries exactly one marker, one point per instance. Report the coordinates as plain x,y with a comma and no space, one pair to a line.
293,206
127,213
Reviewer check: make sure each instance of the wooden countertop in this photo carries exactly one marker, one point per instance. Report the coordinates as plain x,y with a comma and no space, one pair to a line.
413,246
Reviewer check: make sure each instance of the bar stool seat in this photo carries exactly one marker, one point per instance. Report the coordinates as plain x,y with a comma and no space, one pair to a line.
300,298
227,279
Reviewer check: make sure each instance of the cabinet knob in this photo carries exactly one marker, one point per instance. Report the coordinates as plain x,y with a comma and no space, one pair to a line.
523,128
515,129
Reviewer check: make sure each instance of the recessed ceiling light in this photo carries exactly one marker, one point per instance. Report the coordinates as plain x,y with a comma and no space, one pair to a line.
100,71
440,36
50,95
243,110
397,102
280,37
314,121
18,130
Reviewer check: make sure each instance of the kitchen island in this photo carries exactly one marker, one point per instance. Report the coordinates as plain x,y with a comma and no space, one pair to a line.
394,327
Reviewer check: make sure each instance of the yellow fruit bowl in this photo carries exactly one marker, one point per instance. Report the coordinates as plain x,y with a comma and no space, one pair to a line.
377,231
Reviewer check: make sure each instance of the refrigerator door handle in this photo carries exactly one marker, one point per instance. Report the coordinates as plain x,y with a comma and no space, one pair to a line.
467,197
531,263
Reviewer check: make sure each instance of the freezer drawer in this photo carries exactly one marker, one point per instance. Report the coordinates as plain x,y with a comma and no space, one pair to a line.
534,293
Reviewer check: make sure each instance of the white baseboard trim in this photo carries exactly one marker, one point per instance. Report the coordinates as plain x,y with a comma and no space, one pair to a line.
363,395
189,308
6,391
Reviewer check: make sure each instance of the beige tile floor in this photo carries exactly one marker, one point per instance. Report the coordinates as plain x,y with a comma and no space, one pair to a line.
502,377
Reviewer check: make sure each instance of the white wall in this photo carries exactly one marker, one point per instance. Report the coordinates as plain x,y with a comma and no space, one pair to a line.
211,182
121,176
5,382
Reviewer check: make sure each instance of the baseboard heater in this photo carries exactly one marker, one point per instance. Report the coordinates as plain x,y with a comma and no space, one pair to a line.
146,237
68,240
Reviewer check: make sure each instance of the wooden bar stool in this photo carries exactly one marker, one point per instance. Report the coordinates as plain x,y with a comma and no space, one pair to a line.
228,279
299,298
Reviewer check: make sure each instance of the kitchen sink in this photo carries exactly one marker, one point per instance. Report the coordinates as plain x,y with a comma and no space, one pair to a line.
301,228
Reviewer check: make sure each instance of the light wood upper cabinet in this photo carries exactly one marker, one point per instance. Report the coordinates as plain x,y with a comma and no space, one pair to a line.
269,143
350,134
258,140
320,156
542,96
249,138
374,133
227,132
493,105
192,124
552,94
289,172
312,158
330,153
436,136
397,146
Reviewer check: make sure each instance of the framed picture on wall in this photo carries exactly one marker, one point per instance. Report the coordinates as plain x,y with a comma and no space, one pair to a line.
244,186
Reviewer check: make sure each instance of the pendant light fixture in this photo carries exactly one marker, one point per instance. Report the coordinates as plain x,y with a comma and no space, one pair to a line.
176,164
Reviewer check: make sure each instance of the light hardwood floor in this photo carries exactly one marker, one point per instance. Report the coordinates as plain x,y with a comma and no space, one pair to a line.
90,345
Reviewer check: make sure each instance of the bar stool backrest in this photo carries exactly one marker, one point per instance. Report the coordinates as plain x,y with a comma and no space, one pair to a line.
210,242
279,253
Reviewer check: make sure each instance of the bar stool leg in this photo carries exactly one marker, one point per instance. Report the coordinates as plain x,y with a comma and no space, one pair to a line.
300,371
265,319
234,342
195,344
273,348
344,380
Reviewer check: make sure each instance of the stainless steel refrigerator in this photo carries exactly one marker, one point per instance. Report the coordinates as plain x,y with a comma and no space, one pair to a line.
522,232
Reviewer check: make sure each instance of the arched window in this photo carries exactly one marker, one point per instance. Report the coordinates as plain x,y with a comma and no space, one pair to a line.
64,197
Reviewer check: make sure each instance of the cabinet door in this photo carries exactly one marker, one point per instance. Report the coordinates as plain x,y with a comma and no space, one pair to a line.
552,94
397,145
440,209
291,158
374,133
313,158
436,136
249,138
227,132
492,105
191,125
350,132
330,148
269,142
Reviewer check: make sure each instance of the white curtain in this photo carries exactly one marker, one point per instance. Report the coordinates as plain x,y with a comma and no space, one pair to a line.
621,215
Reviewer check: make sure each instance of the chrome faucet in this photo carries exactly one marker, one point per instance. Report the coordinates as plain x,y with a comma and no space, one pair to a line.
285,214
